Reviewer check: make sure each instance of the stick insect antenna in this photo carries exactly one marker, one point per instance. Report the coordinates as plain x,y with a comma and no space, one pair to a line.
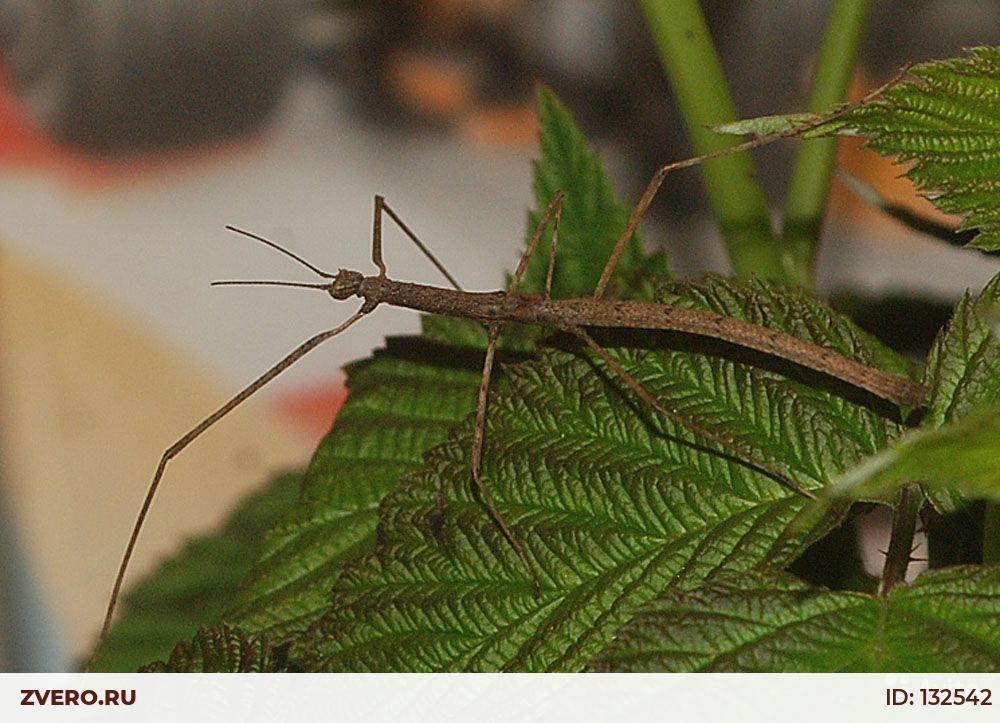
300,351
281,249
269,282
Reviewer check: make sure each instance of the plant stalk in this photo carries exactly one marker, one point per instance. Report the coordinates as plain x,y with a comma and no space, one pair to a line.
692,66
805,205
904,524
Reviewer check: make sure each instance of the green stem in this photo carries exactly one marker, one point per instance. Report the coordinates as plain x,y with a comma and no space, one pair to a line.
695,73
806,203
991,534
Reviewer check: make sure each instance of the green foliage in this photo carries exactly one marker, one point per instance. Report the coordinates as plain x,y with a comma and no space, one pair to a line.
611,506
592,219
946,124
945,622
221,649
962,456
195,587
963,369
402,403
957,451
640,529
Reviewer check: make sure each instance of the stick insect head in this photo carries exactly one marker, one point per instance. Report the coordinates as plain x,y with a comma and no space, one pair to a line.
345,284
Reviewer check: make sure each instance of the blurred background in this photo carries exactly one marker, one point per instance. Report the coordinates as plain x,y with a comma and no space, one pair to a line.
132,132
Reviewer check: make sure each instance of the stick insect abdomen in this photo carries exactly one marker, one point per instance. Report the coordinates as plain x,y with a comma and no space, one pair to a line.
646,315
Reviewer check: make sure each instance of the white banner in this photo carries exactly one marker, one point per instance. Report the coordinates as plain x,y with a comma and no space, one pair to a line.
700,698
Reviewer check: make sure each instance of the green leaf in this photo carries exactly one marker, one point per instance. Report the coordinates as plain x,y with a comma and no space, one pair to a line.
946,621
766,125
961,456
611,506
946,124
194,588
402,403
963,368
592,219
221,649
957,452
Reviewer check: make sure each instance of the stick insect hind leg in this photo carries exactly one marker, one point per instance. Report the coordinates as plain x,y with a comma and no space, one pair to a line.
646,396
740,451
251,389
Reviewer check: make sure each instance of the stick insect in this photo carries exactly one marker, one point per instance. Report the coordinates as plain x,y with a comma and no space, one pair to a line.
571,316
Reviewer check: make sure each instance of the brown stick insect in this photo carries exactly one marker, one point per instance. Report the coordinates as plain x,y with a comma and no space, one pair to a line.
572,316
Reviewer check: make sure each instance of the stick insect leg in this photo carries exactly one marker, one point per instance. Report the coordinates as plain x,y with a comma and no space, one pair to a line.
175,449
644,394
377,237
552,252
482,404
478,440
633,223
657,180
420,245
553,209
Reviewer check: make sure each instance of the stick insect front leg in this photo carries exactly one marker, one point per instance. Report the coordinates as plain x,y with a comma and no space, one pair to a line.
178,446
292,357
382,207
